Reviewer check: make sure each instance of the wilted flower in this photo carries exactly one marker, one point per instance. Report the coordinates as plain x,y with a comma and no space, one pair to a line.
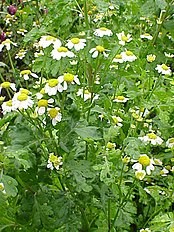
152,138
47,40
98,50
110,145
26,73
120,99
7,85
12,9
118,59
58,53
170,143
85,94
164,172
123,39
22,31
42,105
76,43
164,69
102,31
117,121
2,187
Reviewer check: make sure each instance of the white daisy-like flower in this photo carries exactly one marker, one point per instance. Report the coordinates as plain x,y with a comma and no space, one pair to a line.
7,43
118,59
164,172
54,161
110,145
7,107
120,99
103,31
53,86
145,230
150,58
144,162
152,138
128,56
140,174
58,53
85,94
158,162
47,40
170,143
55,115
76,43
168,55
98,50
123,39
21,101
68,78
7,85
26,73
146,36
164,69
38,54
21,54
22,31
98,17
117,121
42,105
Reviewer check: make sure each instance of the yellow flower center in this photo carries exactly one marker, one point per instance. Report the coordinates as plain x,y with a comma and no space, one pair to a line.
53,158
100,48
9,103
21,30
110,145
5,85
103,29
53,82
42,91
86,91
53,112
146,34
124,38
22,97
150,58
121,98
152,136
62,49
42,102
115,120
164,67
25,91
75,40
129,53
24,72
48,38
139,175
68,77
7,41
144,160
1,186
119,56
126,160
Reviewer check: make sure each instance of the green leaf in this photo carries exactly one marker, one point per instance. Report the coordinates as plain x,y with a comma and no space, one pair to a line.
10,185
88,132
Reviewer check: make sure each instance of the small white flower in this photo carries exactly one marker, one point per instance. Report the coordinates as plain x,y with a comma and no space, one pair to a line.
7,43
164,69
76,43
164,172
118,59
146,36
102,31
128,56
2,188
145,230
42,105
170,143
7,85
98,17
144,162
54,162
58,53
22,31
152,138
110,145
68,78
150,58
46,41
21,54
26,73
168,55
7,107
53,86
55,115
120,99
85,94
140,174
21,101
117,121
38,54
98,50
123,39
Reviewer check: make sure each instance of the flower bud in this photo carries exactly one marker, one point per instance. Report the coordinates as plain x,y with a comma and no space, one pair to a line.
12,9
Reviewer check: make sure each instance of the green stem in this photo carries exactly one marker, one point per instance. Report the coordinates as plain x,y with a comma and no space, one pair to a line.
109,216
11,62
86,15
